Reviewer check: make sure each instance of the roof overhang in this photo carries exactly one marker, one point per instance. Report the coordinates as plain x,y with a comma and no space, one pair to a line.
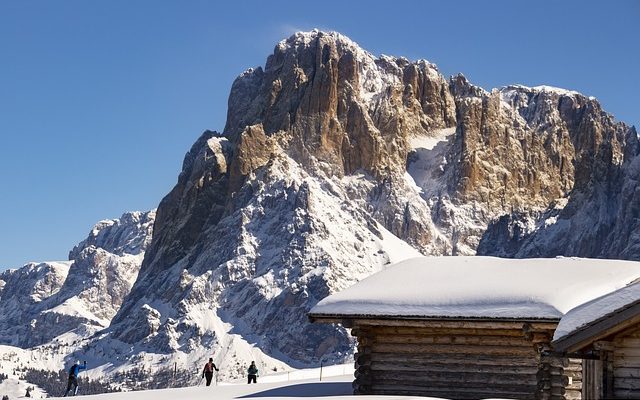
600,329
418,320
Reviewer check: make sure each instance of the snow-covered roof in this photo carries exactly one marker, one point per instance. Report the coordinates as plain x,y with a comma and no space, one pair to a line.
597,309
479,287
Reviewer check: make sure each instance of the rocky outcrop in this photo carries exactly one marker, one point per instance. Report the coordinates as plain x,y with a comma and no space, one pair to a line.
599,218
342,109
129,234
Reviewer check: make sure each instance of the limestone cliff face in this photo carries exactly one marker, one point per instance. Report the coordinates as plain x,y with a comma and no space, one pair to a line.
536,145
599,218
333,160
340,109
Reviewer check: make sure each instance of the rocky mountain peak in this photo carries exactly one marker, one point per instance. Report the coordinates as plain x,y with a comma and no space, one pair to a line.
130,234
332,164
338,109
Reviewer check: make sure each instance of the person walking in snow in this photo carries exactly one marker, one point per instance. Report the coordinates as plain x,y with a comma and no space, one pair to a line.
207,372
73,377
252,373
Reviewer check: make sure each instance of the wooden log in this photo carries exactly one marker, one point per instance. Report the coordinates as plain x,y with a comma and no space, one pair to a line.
539,337
575,375
447,383
550,369
626,383
627,351
450,349
558,391
574,385
454,379
574,395
475,359
430,366
359,388
362,378
409,331
517,392
553,381
573,367
362,356
627,394
466,324
362,371
622,361
626,372
554,362
458,340
362,361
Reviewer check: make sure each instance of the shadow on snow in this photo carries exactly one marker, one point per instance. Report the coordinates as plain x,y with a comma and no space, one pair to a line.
316,389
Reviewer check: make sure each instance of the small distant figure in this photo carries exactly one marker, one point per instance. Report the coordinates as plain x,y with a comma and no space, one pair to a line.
5,397
252,373
207,372
73,377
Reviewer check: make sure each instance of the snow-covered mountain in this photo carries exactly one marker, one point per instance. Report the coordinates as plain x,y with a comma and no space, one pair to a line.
40,302
334,163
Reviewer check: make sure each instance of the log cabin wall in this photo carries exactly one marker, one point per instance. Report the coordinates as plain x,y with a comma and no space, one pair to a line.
462,360
625,364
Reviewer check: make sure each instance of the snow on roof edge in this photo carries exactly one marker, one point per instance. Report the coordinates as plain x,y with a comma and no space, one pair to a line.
479,287
597,311
313,316
564,341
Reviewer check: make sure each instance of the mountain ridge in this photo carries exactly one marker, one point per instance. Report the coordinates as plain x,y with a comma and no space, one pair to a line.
333,164
327,126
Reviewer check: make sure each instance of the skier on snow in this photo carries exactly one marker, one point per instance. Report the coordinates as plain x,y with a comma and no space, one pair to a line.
73,377
252,373
208,371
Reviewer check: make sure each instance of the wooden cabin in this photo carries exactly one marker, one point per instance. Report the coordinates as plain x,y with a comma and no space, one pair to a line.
469,327
606,333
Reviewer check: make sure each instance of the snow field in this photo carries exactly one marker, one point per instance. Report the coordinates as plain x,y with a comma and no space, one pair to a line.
333,388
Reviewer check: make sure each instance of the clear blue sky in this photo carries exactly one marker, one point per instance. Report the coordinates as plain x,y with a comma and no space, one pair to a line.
100,100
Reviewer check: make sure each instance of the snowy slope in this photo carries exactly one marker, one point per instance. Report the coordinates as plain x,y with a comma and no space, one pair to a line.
327,389
12,358
244,296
